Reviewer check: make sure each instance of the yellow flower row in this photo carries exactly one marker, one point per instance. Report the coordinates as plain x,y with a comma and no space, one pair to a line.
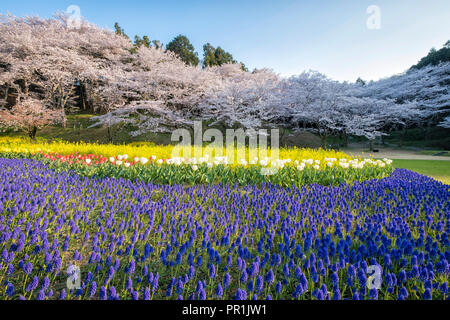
22,145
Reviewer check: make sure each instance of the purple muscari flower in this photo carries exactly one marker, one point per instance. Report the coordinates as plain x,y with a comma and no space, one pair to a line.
240,294
404,292
62,295
102,294
79,292
244,276
179,288
226,280
427,294
10,270
269,277
402,276
28,267
286,270
135,295
335,279
298,272
41,295
239,263
250,286
278,287
254,270
298,291
259,284
317,294
144,270
131,267
212,272
116,264
229,261
93,289
202,294
146,294
199,261
112,293
269,297
9,290
444,288
219,291
129,284
155,282
373,294
355,296
336,294
191,272
33,284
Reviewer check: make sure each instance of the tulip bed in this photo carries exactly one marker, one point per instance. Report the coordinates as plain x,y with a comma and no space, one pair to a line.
142,240
205,170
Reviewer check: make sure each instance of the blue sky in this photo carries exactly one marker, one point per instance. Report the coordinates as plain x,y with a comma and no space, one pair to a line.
330,36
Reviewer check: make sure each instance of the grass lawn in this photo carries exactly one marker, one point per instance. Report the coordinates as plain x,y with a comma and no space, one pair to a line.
437,169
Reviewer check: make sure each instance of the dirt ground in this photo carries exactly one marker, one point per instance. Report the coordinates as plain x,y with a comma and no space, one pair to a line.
392,153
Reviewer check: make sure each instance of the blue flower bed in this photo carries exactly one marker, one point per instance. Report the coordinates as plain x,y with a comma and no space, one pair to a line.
378,239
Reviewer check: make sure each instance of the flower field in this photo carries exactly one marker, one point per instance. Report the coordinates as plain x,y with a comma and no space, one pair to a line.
136,239
153,164
22,145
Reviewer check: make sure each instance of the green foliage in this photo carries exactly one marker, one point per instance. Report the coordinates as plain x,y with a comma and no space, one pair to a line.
183,48
217,57
119,30
360,81
144,41
435,57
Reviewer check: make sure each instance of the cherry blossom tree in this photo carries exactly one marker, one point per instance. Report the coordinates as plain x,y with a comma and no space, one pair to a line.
29,115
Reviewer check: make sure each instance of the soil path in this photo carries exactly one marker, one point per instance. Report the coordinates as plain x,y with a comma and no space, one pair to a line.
392,153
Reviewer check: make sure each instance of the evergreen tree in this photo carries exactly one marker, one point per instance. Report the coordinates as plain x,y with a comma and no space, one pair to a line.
217,57
183,48
119,30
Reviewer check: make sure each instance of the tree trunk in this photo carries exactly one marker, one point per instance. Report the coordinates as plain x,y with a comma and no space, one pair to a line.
344,139
371,144
428,129
110,137
323,141
6,95
32,133
403,135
